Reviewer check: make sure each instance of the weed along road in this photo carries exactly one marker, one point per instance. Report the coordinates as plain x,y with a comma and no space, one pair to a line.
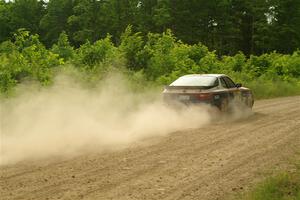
211,162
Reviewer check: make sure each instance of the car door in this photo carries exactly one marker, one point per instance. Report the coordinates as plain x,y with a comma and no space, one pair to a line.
234,92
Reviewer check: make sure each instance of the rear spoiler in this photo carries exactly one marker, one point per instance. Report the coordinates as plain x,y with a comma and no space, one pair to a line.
169,87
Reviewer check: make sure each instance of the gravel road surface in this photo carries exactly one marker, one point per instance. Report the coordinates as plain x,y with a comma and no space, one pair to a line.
212,162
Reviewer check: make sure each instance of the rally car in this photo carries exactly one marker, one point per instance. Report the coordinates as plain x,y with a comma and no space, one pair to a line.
215,89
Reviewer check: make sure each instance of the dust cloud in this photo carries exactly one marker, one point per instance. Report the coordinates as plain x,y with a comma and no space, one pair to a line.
68,119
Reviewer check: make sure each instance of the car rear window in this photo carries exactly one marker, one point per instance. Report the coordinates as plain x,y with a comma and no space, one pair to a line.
203,81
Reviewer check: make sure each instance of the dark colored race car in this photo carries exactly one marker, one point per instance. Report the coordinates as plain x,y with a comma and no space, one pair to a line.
214,89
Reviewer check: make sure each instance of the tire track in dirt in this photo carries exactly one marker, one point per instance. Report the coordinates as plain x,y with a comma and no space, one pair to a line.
209,159
256,154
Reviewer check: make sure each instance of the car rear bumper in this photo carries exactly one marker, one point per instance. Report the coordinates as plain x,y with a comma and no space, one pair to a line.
190,102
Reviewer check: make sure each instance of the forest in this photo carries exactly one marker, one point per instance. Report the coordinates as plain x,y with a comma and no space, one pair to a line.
152,41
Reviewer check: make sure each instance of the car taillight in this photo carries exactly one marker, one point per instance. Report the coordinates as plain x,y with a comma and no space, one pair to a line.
204,96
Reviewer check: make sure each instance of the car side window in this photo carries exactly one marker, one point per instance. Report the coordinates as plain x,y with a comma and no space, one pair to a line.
223,83
216,83
229,82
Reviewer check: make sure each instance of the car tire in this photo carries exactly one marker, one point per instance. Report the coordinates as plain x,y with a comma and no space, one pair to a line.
224,105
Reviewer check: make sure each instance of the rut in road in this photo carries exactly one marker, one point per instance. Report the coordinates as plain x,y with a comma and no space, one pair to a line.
212,162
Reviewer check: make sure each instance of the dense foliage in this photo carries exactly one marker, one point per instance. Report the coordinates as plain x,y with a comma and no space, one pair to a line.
155,58
227,26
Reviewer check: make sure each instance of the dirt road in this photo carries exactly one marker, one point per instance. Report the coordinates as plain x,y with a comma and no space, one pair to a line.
208,163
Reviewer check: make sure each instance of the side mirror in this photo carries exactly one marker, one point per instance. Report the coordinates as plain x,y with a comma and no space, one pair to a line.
238,85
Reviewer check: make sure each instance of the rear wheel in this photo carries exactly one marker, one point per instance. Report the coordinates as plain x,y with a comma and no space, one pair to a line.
224,105
249,102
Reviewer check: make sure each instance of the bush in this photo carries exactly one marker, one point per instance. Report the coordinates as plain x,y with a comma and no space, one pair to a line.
90,55
157,58
63,47
131,48
25,58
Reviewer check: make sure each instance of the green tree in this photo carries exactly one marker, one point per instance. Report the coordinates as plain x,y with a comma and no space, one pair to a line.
55,20
26,14
123,13
90,20
144,16
5,29
285,23
162,15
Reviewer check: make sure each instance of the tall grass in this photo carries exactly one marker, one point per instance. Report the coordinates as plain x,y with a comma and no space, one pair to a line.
263,89
282,187
285,186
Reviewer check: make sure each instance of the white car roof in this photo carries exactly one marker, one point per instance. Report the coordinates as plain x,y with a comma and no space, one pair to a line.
214,75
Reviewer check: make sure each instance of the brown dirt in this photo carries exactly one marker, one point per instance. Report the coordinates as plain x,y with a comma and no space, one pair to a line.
212,162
